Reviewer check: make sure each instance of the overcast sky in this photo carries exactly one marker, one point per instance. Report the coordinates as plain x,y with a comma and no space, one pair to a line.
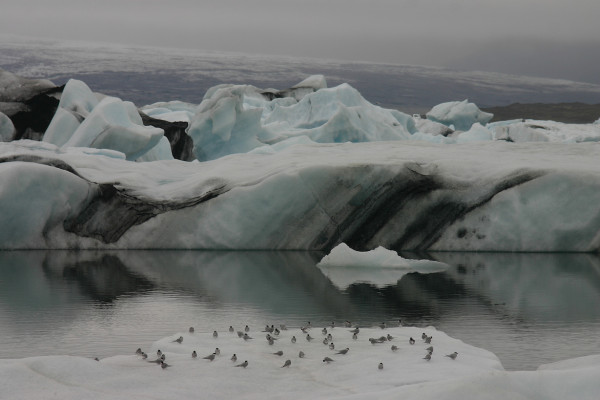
554,38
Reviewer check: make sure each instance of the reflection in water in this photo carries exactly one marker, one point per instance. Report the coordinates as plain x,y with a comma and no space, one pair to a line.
527,308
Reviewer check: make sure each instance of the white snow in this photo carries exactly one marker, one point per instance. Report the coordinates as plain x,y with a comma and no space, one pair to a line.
7,129
380,267
475,373
461,114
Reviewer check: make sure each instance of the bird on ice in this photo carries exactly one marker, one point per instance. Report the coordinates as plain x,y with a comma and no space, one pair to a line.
240,334
158,353
158,360
293,339
452,356
427,357
394,347
278,353
428,339
327,360
347,324
191,330
139,351
308,337
194,354
382,325
210,357
343,351
144,356
217,351
411,341
243,365
246,328
234,357
178,340
215,334
231,328
164,365
355,330
331,346
325,341
287,363
282,327
246,337
301,354
354,336
423,335
389,337
430,349
380,366
324,331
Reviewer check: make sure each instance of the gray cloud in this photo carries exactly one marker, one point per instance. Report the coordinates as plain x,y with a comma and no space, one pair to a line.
505,35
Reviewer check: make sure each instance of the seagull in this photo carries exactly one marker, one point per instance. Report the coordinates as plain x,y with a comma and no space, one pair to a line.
217,351
247,329
282,327
234,357
194,354
308,337
329,337
427,357
278,353
240,334
331,346
301,354
411,341
327,360
423,336
293,339
383,338
246,336
324,331
373,341
394,347
144,356
178,340
287,363
325,341
270,337
164,365
452,356
191,330
347,324
428,339
210,357
215,334
354,336
271,341
231,328
139,351
382,325
303,329
430,349
355,330
276,332
332,324
344,351
380,366
158,353
243,365
399,322
389,337
158,360
309,326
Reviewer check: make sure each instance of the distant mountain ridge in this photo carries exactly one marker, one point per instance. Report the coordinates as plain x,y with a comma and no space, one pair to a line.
574,113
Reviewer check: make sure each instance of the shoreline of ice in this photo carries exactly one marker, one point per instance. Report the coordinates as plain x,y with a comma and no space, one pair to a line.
406,374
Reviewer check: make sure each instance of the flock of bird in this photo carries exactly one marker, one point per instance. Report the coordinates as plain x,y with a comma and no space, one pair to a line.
273,334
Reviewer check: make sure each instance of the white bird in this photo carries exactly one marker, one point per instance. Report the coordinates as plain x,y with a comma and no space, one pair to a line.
394,347
158,353
428,339
178,340
191,330
332,325
331,346
324,331
247,329
278,353
293,339
210,357
355,330
382,325
427,357
347,324
144,356
308,337
231,328
325,341
217,351
301,354
452,356
215,334
380,366
423,336
139,351
243,365
234,357
430,349
343,351
240,334
389,337
287,363
354,336
246,337
329,337
164,365
411,341
194,354
327,360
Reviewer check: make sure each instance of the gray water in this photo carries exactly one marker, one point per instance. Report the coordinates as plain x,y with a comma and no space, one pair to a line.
529,309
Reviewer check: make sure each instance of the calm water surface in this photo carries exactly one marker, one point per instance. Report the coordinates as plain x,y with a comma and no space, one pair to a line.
528,309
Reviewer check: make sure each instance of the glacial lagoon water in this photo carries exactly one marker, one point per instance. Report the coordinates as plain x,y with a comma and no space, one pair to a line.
529,309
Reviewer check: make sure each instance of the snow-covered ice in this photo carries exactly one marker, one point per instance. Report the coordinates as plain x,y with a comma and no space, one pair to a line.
475,373
460,114
7,129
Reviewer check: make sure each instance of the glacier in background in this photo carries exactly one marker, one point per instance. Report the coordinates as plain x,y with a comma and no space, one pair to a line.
307,167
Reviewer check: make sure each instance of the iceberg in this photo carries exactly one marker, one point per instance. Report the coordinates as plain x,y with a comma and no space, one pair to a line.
461,114
354,375
380,267
7,129
402,195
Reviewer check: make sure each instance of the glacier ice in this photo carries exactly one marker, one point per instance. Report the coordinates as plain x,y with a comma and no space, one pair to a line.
403,195
354,375
7,129
477,133
461,114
